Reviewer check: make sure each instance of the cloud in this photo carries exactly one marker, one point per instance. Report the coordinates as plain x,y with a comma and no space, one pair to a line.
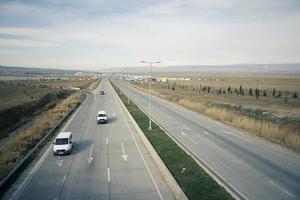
102,33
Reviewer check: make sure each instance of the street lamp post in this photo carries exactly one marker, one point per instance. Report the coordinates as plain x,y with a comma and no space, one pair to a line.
150,91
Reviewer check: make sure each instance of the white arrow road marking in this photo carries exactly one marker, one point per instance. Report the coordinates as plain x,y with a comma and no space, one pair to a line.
114,114
90,158
276,185
60,162
124,156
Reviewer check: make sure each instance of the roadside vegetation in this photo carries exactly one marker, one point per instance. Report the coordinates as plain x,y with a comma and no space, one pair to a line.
273,114
193,180
20,101
14,150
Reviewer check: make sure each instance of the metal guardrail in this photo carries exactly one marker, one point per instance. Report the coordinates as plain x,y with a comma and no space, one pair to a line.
21,162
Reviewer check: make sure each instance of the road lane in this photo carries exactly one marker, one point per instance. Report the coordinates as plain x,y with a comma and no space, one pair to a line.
254,167
96,168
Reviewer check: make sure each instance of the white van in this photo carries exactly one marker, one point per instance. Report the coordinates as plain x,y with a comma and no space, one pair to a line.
63,143
101,117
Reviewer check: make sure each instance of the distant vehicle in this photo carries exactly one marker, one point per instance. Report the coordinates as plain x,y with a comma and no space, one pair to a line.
101,117
101,92
63,143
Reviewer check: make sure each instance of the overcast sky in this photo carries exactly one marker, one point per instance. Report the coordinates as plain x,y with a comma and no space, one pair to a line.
90,34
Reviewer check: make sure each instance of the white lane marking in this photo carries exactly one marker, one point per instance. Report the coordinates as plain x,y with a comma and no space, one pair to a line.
108,174
107,141
64,179
91,158
124,156
190,138
287,192
31,172
138,148
114,114
194,141
239,136
161,107
207,133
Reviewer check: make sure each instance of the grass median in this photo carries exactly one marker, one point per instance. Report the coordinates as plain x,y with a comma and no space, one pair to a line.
193,180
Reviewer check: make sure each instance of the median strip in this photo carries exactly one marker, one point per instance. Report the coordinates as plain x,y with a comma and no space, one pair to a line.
193,180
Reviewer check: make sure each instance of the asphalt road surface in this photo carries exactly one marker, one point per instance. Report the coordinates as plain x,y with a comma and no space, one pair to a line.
108,160
255,168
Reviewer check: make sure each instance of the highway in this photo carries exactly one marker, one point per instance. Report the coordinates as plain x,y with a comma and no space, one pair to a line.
108,160
252,167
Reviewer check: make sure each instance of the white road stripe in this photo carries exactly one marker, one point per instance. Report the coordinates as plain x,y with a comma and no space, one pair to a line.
287,192
108,174
64,179
207,133
107,141
239,136
190,138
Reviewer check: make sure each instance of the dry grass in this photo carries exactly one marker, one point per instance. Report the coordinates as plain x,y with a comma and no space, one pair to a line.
94,84
281,134
12,151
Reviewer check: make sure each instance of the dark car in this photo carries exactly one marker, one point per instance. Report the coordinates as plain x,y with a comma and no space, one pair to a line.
101,92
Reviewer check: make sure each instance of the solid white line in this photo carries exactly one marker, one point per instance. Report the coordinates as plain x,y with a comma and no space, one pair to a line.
107,141
108,174
139,150
287,192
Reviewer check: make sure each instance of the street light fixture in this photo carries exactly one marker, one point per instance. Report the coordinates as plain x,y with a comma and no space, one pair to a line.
150,91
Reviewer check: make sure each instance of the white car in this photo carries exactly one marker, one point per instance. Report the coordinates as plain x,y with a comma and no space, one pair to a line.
63,143
101,117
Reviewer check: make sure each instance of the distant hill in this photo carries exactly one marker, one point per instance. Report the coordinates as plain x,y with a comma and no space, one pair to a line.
24,70
280,69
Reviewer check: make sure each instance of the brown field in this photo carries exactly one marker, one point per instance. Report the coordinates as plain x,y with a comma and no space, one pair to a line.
15,93
223,106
